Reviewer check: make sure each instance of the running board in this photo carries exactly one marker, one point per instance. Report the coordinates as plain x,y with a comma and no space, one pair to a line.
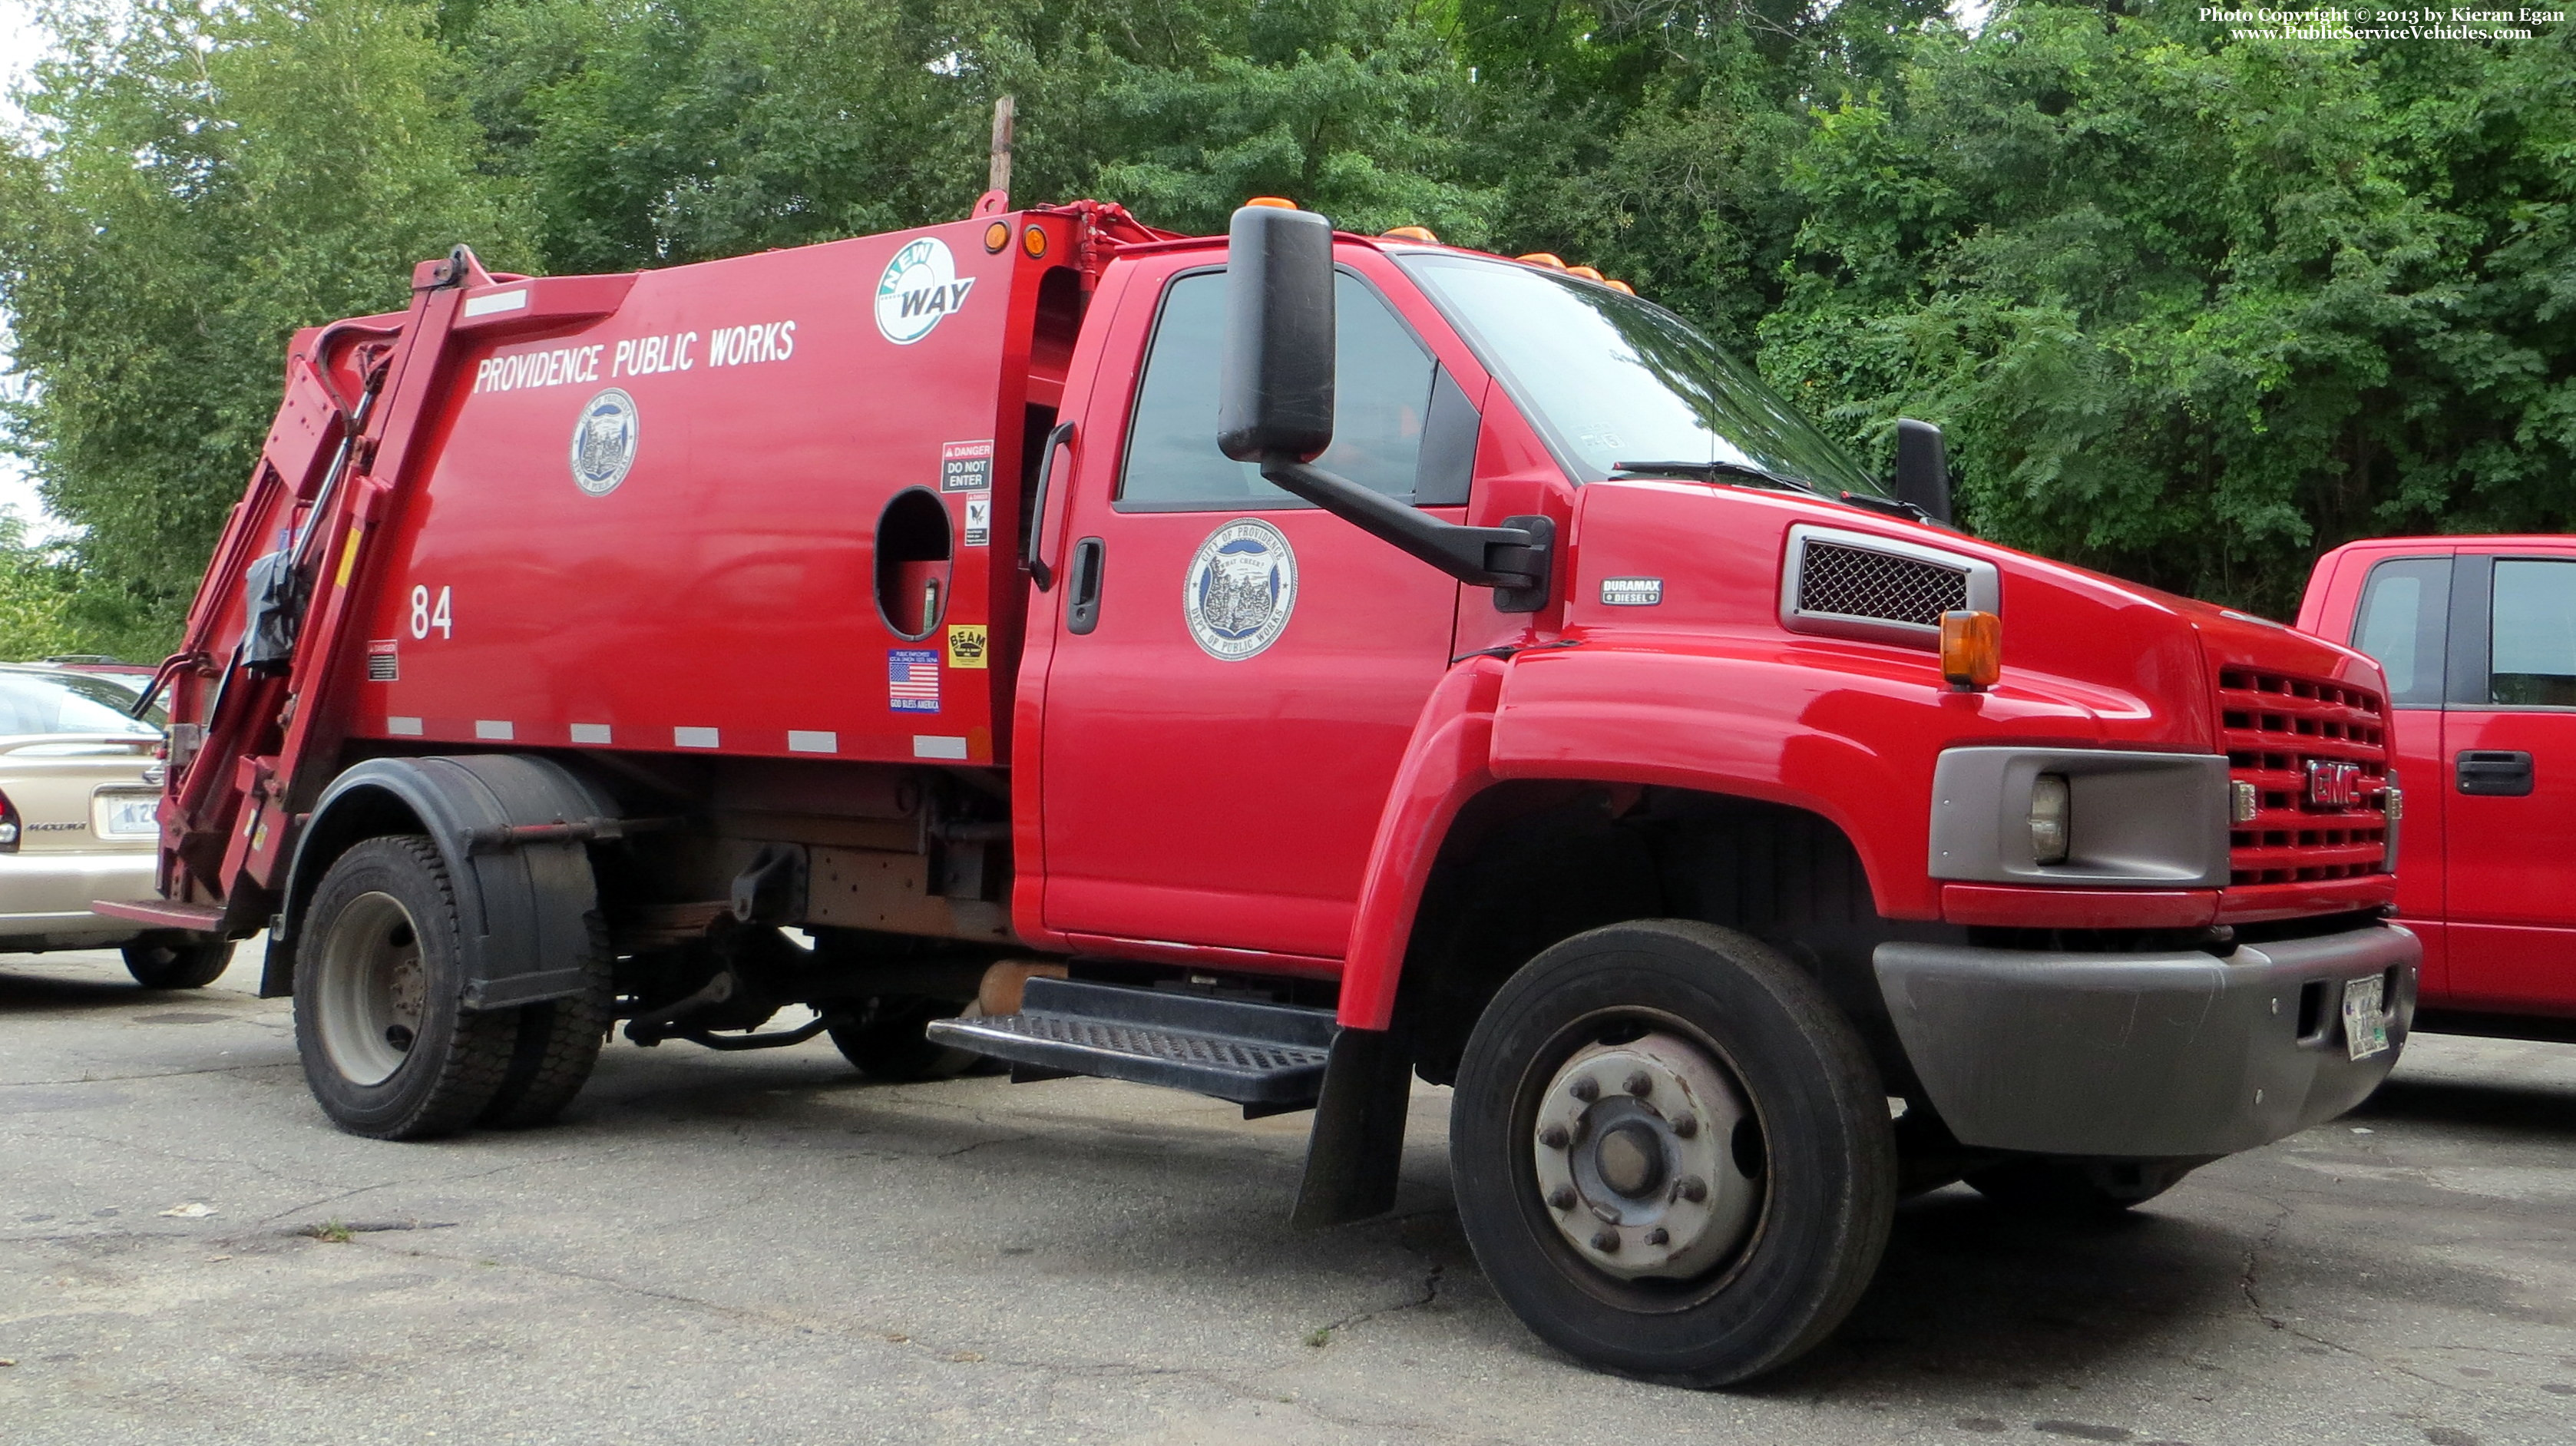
1268,1058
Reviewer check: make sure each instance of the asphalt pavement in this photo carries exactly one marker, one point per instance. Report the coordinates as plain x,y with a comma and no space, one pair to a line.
766,1248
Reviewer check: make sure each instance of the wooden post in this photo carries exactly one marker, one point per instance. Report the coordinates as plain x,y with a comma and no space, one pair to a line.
1003,111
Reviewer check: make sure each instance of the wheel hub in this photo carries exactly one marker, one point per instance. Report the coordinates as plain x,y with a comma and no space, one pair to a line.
1634,1146
373,987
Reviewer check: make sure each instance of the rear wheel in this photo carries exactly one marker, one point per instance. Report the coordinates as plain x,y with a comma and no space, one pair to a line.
1672,1154
886,1041
387,1048
558,1044
177,966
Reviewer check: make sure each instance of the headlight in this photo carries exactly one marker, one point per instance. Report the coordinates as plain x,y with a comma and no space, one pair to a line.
2048,821
2006,815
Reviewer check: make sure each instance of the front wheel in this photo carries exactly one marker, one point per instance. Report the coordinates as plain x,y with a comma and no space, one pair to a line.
177,966
388,1049
1672,1153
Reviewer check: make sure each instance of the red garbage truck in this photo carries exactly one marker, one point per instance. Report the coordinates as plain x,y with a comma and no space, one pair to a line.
2478,637
1273,665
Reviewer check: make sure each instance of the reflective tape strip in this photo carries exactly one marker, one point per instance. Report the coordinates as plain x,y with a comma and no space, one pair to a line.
349,557
590,733
693,737
926,745
497,730
492,301
403,727
802,742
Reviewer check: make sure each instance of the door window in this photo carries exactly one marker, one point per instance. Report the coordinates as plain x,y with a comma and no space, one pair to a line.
2532,659
2405,612
1382,398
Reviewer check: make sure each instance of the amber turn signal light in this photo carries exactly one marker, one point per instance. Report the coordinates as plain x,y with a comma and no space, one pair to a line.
1972,650
997,235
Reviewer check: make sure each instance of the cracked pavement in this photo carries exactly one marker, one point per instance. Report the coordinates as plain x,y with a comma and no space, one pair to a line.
765,1248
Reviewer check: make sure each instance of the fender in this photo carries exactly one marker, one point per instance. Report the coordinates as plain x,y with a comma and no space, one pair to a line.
524,903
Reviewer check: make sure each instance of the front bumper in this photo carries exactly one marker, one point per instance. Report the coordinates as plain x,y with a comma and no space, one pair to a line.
45,897
2156,1054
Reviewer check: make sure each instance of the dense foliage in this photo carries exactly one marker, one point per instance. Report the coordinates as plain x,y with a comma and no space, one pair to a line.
2192,308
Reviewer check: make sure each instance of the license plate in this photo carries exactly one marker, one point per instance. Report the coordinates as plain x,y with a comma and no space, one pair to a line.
133,817
2365,1031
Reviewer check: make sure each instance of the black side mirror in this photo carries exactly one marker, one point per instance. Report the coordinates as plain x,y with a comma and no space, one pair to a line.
1275,402
1922,469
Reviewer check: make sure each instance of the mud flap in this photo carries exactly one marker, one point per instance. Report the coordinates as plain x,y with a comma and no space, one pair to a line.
1357,1148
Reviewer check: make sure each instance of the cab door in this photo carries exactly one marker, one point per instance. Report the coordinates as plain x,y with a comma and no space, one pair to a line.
2510,733
2403,621
1235,674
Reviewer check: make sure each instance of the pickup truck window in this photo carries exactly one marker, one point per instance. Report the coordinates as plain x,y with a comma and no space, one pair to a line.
2405,611
1381,398
1612,379
2534,650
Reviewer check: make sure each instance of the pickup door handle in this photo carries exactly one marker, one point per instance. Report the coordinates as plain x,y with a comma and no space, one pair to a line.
1082,609
2495,772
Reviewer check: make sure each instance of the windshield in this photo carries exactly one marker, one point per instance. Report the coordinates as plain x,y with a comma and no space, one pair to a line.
1612,379
68,703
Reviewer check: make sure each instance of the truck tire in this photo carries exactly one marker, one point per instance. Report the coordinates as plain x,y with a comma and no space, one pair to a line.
1672,1153
2101,1189
558,1043
887,1042
177,966
387,1048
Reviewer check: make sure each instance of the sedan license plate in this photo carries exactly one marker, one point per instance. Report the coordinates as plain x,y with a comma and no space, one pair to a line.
132,816
2365,1030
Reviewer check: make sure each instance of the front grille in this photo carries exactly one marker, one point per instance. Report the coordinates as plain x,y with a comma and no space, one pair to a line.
2272,725
1856,582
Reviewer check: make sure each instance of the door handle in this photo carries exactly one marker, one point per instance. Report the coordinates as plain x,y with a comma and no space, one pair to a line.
2495,772
1082,609
1033,547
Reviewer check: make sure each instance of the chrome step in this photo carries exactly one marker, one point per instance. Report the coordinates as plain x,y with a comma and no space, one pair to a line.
1265,1057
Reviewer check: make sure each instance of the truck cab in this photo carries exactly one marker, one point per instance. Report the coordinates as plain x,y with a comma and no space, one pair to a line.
2478,637
1277,665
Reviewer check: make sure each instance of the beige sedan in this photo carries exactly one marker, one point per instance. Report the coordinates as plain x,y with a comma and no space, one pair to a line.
79,785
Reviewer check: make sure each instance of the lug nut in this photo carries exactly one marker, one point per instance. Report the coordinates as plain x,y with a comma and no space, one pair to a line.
1584,1089
1691,1188
1659,1236
1640,1083
1561,1198
1685,1124
1554,1137
1606,1241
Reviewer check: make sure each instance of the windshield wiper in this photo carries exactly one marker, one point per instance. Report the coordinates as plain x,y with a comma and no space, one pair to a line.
1714,471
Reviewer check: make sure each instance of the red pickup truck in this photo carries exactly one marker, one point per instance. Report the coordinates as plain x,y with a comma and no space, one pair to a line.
1272,665
2478,635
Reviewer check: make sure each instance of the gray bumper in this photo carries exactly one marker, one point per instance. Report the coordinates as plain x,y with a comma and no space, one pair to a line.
2181,1053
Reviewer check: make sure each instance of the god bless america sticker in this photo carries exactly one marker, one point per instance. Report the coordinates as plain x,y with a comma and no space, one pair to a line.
1240,589
918,289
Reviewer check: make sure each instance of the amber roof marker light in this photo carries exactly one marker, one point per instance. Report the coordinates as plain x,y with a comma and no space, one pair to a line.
1972,650
1279,202
1410,233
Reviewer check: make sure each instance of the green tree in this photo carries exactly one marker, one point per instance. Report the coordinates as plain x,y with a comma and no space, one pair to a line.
2196,309
199,182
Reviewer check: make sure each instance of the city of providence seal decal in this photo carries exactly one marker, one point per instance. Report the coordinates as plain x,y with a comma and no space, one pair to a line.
1240,589
603,442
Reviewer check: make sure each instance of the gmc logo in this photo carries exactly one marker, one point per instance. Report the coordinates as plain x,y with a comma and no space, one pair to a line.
2334,784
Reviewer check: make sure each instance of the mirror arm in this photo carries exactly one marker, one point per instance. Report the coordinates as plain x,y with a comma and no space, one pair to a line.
1514,559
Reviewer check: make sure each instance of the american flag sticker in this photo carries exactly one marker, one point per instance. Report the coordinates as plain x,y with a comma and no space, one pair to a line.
912,680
